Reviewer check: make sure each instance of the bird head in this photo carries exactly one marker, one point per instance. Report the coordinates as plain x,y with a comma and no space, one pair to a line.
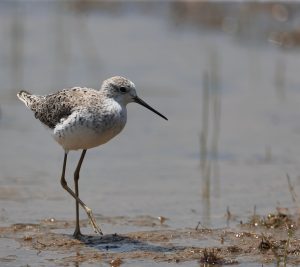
123,91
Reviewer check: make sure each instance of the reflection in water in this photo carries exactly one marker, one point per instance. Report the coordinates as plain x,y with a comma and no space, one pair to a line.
64,33
60,42
77,43
279,79
62,45
17,43
205,116
268,155
68,27
204,163
87,43
211,102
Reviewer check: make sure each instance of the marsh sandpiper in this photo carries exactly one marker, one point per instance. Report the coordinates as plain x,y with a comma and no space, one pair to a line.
83,118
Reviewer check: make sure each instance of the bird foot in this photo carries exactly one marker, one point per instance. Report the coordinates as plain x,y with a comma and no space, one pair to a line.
96,228
77,234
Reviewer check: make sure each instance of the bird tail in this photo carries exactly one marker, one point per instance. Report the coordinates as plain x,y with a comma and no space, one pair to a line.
27,98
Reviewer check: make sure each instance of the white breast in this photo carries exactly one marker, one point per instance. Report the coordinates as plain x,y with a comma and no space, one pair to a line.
87,128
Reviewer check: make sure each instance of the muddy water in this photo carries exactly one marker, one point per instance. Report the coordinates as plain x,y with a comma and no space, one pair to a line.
249,120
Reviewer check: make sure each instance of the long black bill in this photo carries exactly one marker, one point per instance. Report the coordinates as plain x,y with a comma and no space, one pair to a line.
143,103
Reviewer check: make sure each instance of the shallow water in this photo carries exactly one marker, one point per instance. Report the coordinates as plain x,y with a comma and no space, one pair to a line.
153,167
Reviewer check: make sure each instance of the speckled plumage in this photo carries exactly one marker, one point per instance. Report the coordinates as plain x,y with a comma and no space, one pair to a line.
82,118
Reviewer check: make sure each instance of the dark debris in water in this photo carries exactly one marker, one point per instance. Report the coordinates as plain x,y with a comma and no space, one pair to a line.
280,219
211,257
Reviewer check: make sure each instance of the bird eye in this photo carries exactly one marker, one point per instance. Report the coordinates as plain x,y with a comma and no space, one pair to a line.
123,89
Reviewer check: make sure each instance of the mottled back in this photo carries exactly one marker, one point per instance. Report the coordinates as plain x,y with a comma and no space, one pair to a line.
51,109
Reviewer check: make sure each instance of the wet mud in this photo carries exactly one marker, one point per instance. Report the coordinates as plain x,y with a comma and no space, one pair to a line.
263,240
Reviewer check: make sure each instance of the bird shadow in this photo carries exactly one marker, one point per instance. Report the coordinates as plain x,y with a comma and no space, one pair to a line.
115,243
48,236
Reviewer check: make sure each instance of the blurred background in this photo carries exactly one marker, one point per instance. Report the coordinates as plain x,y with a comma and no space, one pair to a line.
225,74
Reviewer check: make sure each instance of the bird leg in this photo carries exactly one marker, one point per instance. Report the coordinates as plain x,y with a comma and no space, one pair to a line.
77,232
78,200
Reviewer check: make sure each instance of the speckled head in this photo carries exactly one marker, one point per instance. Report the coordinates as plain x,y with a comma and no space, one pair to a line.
123,91
119,88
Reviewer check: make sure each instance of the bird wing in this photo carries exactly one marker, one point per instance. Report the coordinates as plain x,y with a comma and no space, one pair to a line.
51,109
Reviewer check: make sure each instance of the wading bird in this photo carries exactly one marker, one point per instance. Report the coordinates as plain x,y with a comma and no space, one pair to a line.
83,118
